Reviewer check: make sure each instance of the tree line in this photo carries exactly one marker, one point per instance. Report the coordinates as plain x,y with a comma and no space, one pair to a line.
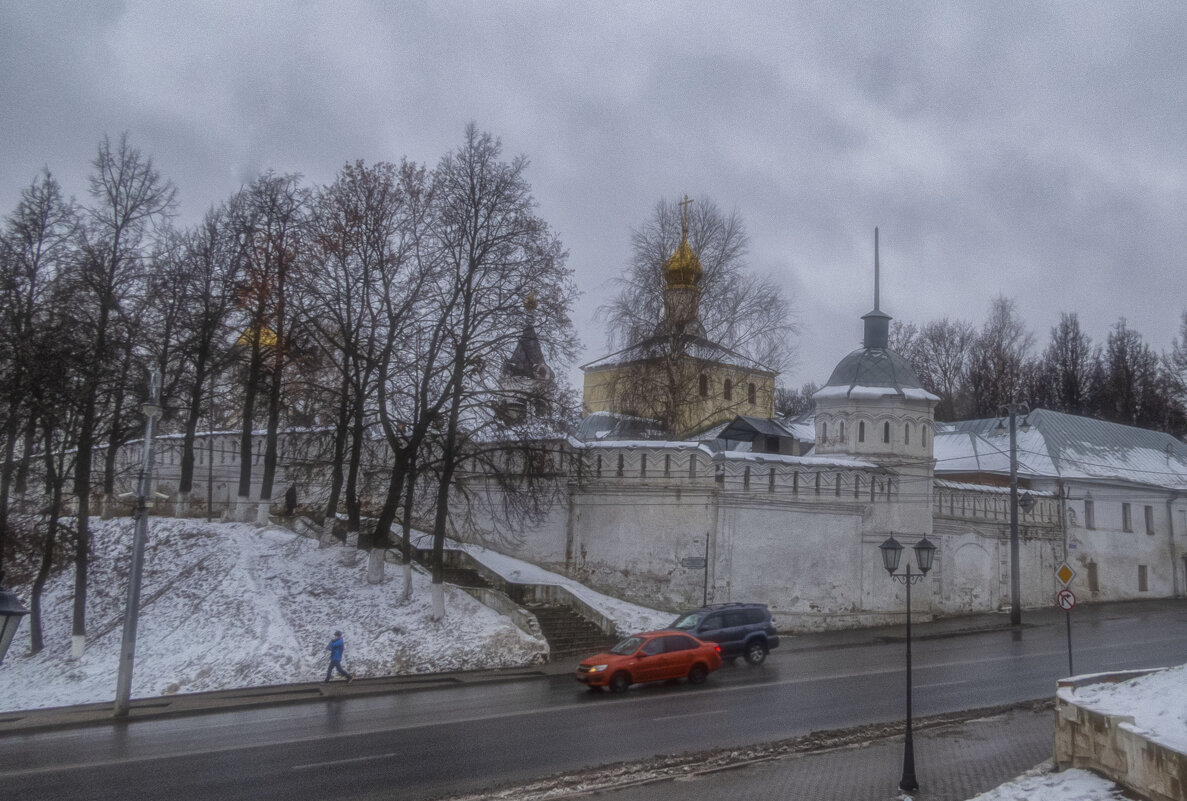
382,306
975,371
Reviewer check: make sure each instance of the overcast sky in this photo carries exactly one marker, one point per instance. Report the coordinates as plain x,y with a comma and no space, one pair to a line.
1035,150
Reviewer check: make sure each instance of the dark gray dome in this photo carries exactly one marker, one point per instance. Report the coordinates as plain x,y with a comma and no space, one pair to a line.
874,367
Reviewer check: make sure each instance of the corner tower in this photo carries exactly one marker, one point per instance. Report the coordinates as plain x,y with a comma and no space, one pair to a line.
873,406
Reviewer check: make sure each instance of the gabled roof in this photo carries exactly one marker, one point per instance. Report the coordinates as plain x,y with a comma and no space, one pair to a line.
744,427
692,346
1068,446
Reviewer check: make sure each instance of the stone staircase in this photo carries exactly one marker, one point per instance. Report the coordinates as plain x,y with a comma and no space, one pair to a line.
568,633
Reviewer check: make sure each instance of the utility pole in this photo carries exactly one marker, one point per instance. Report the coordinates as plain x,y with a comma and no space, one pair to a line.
123,687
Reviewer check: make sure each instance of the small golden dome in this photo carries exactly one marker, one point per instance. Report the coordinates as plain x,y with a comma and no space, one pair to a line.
683,268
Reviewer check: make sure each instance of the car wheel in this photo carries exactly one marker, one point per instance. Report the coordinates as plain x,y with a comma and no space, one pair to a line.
619,682
697,674
756,652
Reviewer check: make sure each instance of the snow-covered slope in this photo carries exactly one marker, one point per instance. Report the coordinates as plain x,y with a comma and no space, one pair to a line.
232,605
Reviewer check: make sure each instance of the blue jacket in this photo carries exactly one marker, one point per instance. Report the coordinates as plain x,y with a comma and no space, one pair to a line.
335,648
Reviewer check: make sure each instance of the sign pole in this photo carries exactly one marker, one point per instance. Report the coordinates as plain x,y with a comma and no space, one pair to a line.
1070,671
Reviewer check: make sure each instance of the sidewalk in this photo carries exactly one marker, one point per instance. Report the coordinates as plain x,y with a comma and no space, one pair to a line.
23,722
952,763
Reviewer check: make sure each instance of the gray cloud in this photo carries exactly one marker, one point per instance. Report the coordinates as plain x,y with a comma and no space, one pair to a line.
1032,150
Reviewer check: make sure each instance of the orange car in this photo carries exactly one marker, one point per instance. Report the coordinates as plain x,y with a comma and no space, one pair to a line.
650,656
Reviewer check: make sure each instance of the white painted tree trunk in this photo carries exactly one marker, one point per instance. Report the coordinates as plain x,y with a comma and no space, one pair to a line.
243,509
327,534
263,513
438,602
407,581
107,508
78,644
375,566
181,505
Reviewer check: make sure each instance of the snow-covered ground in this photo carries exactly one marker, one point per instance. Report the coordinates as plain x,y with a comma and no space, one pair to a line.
227,605
1042,785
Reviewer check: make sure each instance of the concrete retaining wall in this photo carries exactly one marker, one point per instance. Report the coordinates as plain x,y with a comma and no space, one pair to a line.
1112,746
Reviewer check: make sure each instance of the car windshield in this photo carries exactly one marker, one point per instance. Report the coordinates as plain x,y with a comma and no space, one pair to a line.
627,646
688,621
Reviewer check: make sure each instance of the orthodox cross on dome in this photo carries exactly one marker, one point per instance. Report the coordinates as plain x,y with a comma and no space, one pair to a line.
684,204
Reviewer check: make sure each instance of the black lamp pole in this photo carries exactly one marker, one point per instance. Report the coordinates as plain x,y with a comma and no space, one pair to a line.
924,553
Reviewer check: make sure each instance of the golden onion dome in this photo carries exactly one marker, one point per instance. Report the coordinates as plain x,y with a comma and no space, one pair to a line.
683,268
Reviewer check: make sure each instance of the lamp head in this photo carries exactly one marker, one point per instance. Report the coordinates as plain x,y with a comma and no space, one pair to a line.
891,552
925,552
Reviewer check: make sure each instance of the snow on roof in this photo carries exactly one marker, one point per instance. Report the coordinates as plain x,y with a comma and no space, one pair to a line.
859,392
1072,447
805,461
967,487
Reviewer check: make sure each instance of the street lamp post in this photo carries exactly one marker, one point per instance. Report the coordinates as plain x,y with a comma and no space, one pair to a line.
123,689
924,554
1015,582
11,612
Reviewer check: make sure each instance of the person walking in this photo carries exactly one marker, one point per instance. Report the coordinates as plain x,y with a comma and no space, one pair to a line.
335,648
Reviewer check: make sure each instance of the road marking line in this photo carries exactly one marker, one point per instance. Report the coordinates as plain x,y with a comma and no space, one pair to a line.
312,765
938,684
692,714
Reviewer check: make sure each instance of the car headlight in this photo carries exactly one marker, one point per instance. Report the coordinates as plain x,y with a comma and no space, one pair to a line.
597,668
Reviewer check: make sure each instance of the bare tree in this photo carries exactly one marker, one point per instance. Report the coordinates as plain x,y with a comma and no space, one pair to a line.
271,219
996,359
740,310
129,201
492,251
36,247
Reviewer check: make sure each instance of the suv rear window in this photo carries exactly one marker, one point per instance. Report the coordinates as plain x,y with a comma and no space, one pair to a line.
687,622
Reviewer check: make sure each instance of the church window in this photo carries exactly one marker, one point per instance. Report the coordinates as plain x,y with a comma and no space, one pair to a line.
861,431
621,461
1089,514
1143,584
841,431
771,481
923,433
795,483
746,478
643,465
772,445
729,389
817,483
907,434
598,467
751,393
857,486
692,467
837,488
886,432
704,385
667,465
1093,578
824,432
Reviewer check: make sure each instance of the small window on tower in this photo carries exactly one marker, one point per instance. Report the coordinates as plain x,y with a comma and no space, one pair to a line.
751,393
704,385
729,389
907,434
886,432
861,431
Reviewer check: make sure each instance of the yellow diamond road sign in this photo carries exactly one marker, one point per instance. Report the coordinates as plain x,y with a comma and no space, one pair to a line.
1065,574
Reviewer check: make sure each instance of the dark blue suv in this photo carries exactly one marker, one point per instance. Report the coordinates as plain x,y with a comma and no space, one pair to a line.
745,630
